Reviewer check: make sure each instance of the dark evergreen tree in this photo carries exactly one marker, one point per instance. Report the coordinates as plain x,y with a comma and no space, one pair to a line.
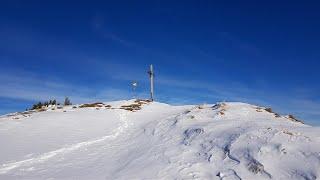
67,101
46,103
39,105
35,106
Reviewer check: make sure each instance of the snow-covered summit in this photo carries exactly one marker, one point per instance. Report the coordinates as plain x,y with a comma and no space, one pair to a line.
138,139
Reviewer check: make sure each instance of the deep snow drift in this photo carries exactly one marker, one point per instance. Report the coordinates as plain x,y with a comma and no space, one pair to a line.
143,140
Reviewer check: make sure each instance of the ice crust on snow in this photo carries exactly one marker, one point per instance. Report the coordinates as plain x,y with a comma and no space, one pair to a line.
158,141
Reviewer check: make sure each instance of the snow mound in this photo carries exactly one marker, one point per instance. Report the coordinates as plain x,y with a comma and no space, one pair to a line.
138,139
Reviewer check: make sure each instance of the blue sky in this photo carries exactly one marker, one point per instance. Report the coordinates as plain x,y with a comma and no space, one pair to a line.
264,53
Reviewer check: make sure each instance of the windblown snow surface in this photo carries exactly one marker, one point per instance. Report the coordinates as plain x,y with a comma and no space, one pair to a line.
159,141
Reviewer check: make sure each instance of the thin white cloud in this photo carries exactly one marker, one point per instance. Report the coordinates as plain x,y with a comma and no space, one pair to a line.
34,88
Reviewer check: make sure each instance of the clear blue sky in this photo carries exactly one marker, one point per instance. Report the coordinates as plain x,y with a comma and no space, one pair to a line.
266,53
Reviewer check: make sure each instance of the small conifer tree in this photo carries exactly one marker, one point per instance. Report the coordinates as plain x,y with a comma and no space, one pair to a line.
46,103
67,101
39,105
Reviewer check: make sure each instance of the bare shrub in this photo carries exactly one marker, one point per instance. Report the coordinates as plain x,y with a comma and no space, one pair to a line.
287,132
131,107
200,107
187,111
142,101
97,104
259,109
268,110
216,106
294,119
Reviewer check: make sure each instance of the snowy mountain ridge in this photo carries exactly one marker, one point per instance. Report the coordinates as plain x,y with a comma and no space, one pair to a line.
138,139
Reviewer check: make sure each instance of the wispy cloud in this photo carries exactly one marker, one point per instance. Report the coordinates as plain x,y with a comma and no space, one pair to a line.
32,87
241,45
99,26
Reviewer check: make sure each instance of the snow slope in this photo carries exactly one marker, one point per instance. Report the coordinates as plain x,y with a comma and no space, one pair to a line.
159,141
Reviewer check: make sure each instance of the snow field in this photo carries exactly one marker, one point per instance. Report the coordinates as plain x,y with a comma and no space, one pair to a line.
159,141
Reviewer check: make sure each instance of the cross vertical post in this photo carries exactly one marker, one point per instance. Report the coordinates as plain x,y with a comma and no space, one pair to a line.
151,75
